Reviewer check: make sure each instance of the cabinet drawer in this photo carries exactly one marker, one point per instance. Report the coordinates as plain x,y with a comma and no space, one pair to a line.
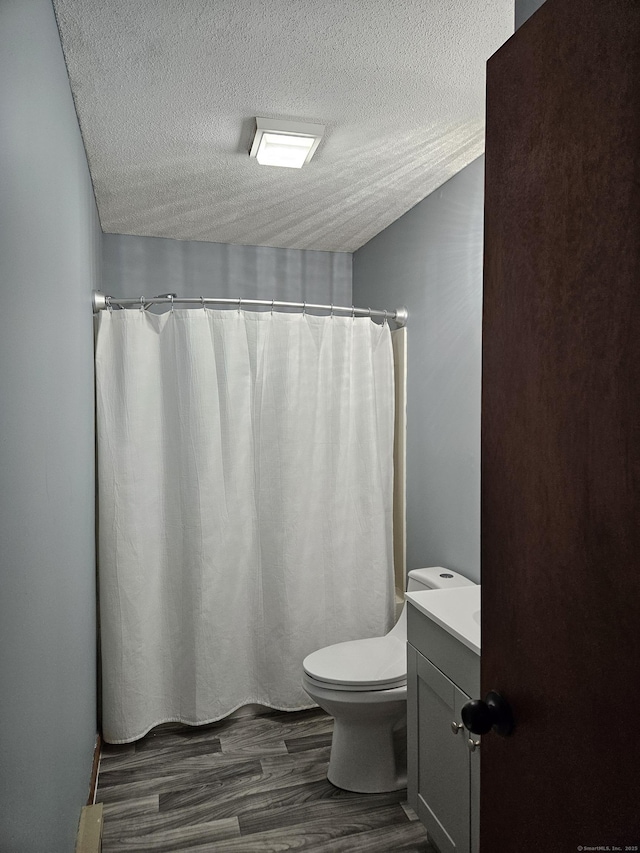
459,663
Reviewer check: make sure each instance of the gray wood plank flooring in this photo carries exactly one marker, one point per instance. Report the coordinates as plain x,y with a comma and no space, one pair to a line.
245,785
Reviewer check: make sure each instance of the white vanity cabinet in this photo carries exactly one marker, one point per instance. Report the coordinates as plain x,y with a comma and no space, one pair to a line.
443,759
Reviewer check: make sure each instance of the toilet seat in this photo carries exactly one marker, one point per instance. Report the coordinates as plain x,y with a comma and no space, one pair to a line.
377,663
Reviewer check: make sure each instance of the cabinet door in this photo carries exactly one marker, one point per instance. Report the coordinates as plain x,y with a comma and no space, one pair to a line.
438,761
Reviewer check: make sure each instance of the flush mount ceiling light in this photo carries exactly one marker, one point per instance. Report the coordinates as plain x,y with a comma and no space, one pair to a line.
285,143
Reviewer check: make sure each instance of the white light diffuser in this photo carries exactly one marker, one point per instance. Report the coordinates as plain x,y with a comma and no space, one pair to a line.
285,143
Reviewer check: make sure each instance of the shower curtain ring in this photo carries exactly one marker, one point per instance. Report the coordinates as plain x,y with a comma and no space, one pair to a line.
304,307
369,313
142,303
171,296
331,314
202,300
239,305
272,301
384,322
353,312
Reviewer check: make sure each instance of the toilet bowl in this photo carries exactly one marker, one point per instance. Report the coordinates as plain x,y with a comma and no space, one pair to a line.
362,684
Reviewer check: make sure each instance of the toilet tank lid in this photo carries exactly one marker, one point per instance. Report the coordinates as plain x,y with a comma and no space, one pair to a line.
437,577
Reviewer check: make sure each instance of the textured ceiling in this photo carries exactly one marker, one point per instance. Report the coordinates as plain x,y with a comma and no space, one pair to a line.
167,90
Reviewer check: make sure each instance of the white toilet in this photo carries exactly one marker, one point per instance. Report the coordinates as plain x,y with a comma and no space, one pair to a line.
363,685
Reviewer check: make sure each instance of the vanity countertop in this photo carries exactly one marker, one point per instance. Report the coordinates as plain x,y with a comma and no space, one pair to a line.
457,610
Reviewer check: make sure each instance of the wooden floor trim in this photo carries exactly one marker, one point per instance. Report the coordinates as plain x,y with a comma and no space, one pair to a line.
93,784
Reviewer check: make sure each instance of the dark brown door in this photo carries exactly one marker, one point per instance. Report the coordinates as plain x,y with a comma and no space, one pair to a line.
561,432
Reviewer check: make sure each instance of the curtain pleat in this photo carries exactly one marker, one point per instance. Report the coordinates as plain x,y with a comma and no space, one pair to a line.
245,469
399,343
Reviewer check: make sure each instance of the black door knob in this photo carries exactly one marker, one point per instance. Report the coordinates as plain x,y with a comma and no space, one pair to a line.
494,713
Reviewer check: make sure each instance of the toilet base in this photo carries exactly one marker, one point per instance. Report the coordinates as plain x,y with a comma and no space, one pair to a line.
357,766
369,746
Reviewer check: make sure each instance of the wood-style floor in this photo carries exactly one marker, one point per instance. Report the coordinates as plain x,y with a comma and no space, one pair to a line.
245,785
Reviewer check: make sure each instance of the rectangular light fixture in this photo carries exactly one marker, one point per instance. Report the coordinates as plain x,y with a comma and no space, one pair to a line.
285,143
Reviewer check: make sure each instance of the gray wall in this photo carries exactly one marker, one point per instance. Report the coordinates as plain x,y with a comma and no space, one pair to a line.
135,266
431,261
525,9
49,258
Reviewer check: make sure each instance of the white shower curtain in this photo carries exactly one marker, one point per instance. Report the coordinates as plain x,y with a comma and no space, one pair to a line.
245,506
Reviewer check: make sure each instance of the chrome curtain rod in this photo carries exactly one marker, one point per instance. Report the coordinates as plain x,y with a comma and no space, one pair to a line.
101,301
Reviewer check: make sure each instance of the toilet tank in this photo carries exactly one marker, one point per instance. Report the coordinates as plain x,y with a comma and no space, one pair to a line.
435,577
